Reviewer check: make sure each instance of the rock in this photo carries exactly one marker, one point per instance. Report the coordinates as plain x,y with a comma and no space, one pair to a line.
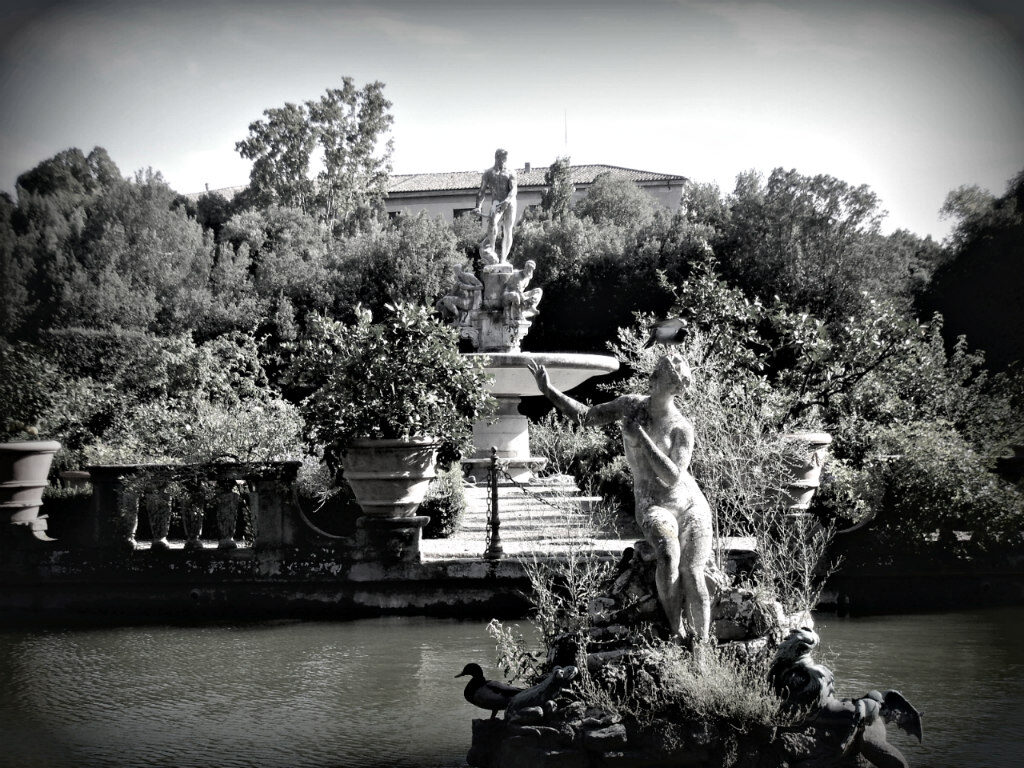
597,660
527,716
610,739
487,737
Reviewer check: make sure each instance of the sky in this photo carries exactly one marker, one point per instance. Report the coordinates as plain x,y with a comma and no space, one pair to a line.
913,98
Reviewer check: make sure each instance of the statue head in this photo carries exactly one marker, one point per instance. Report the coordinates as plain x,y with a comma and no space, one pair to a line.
529,266
671,373
500,155
797,645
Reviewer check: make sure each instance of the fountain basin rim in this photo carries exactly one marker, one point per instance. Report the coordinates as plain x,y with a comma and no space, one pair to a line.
566,370
602,363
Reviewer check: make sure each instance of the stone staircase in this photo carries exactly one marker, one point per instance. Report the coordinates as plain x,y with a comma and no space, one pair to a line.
549,510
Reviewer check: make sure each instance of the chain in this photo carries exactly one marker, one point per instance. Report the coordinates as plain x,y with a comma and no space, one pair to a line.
526,490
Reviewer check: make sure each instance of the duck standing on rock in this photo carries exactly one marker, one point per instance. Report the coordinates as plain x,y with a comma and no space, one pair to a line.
484,693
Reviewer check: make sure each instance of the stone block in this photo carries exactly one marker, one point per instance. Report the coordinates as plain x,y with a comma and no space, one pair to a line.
610,739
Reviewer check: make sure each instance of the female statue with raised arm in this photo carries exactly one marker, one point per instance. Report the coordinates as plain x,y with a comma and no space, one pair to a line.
670,508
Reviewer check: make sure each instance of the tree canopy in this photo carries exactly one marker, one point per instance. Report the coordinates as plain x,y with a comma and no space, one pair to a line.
344,131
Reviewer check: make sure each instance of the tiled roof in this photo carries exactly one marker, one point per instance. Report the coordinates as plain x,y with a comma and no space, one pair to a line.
470,180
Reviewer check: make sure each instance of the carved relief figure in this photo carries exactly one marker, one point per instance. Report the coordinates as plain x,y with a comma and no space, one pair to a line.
670,508
517,303
465,295
500,183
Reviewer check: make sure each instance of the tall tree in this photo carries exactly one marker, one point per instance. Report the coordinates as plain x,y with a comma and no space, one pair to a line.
346,125
349,123
280,147
980,290
813,240
557,198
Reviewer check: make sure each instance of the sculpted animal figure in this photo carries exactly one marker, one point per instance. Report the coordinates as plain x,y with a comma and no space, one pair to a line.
486,694
805,684
540,694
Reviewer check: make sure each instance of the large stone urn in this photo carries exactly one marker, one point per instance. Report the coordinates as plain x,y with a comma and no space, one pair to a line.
24,467
389,479
805,469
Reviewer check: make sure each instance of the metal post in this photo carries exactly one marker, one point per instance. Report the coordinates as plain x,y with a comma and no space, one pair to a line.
494,550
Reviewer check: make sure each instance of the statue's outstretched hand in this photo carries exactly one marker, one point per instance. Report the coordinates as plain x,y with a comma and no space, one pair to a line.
540,374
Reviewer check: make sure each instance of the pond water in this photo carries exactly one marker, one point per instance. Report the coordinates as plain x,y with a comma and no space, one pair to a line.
381,692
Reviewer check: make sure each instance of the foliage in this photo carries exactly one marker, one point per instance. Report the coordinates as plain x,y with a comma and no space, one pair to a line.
189,432
25,390
345,124
445,503
615,199
815,241
409,261
935,498
116,253
980,289
588,454
396,379
712,685
516,660
556,201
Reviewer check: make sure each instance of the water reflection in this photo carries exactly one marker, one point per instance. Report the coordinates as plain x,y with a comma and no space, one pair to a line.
382,692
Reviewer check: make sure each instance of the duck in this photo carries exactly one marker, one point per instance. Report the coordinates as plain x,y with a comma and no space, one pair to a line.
667,332
486,694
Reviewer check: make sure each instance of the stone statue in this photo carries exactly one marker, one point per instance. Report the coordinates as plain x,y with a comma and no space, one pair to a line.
500,183
465,295
517,303
670,508
541,694
847,726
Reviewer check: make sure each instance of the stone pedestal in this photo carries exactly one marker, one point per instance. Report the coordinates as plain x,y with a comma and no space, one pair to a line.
389,540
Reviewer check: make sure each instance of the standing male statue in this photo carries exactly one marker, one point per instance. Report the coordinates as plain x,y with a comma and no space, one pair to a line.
500,183
670,508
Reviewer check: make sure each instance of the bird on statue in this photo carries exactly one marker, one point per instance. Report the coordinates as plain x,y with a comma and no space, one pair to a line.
486,694
667,332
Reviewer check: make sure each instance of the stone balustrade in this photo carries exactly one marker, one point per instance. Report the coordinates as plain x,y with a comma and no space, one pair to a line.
256,497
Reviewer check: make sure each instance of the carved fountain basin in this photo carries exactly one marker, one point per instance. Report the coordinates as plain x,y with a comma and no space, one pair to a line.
511,380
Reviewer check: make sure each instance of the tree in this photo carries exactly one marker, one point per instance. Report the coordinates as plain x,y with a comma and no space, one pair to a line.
616,199
980,290
557,198
410,262
813,240
347,125
280,148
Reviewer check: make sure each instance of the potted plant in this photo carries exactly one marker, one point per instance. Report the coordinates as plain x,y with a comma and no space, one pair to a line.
25,458
386,401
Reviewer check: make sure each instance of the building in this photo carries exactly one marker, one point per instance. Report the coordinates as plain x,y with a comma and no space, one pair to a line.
449,194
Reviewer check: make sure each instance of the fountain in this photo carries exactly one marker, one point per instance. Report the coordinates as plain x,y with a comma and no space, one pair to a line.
494,315
496,319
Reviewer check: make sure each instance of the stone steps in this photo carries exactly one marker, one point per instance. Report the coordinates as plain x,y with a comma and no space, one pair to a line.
552,508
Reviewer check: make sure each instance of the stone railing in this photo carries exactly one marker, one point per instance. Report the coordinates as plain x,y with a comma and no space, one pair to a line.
258,497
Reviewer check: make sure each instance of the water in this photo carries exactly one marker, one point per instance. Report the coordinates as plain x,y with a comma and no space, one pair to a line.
381,691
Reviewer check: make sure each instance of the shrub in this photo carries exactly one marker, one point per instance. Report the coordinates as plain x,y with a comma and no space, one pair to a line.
444,504
396,379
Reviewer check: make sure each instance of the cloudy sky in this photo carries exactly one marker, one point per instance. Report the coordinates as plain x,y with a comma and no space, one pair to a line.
911,97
